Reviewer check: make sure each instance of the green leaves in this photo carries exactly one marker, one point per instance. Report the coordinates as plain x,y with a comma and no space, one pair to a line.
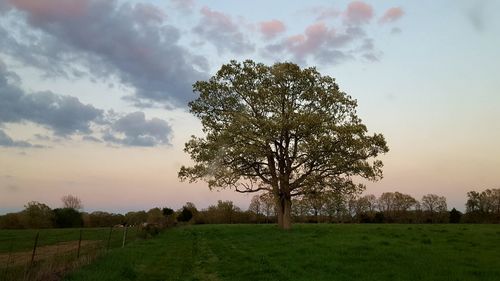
278,128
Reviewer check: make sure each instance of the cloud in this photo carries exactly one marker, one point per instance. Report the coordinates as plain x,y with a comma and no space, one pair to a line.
108,38
183,5
91,139
325,13
391,15
66,116
396,30
477,15
271,29
324,45
7,141
358,12
220,30
136,130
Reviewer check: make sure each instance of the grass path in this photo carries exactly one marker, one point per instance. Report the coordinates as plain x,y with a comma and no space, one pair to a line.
308,252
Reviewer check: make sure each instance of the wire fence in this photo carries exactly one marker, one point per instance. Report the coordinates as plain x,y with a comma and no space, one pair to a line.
49,253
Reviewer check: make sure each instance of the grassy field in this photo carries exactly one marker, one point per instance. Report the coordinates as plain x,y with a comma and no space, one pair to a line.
308,252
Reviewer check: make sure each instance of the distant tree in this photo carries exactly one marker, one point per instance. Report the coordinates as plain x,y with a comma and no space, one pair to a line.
11,221
483,206
386,202
455,216
185,215
67,217
403,202
155,216
315,200
136,218
268,205
473,201
300,209
37,215
102,219
227,209
371,202
255,205
280,129
72,202
192,207
167,211
434,203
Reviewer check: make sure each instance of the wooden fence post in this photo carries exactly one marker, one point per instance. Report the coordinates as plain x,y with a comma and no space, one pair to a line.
124,236
109,238
8,260
79,244
34,249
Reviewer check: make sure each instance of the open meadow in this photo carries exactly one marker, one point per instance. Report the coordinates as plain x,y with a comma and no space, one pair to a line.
307,252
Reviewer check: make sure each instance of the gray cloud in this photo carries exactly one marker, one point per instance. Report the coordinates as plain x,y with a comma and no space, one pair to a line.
7,141
136,130
477,15
131,42
64,115
220,30
91,139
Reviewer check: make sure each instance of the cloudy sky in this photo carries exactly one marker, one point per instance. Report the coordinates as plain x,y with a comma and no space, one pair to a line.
93,93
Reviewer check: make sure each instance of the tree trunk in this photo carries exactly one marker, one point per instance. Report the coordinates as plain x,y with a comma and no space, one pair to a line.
285,212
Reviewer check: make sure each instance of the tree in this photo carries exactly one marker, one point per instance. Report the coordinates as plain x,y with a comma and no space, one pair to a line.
455,216
155,216
37,215
280,129
72,202
434,203
255,206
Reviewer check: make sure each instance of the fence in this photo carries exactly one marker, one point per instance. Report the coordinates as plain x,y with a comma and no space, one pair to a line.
49,253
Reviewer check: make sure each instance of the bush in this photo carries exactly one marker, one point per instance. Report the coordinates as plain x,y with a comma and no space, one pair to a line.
67,217
185,215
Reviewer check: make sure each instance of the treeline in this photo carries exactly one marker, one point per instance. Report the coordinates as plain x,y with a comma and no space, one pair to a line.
389,207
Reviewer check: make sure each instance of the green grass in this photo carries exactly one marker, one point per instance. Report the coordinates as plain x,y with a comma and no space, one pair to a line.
23,239
307,252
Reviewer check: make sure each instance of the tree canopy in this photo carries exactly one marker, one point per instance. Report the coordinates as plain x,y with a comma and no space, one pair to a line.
279,129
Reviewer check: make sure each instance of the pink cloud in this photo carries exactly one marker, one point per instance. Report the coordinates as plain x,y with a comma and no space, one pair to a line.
315,35
392,15
271,29
43,9
358,13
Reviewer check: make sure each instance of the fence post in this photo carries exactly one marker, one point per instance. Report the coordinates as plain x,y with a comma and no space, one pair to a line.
8,260
79,244
124,236
109,238
27,272
34,249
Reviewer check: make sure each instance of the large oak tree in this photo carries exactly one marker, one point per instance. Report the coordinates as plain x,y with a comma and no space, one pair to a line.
280,129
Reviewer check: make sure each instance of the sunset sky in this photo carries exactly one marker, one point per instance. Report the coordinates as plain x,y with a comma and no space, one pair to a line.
94,93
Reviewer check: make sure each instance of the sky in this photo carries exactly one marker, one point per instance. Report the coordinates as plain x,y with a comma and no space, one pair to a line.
94,93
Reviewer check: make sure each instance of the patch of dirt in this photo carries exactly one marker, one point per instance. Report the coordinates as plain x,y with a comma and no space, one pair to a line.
45,252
